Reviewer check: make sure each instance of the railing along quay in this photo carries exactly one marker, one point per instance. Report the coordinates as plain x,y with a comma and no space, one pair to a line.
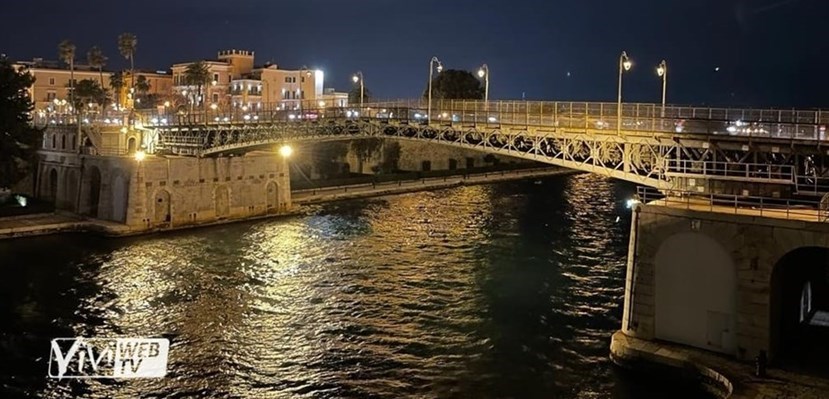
780,208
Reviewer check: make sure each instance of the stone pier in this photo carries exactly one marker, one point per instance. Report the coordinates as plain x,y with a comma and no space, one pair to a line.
726,281
165,192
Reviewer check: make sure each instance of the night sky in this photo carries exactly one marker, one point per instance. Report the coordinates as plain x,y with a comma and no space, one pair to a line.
769,52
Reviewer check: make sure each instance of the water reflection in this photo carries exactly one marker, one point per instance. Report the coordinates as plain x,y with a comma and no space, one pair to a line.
508,290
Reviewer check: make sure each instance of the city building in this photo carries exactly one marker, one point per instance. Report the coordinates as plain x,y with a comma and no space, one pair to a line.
50,91
332,98
236,82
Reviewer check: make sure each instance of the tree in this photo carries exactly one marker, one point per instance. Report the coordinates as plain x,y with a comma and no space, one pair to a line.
89,91
364,149
96,59
354,95
18,138
66,52
142,85
127,45
116,83
454,84
197,74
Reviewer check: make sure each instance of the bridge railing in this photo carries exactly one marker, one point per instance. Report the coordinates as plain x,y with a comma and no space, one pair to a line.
732,170
789,209
760,123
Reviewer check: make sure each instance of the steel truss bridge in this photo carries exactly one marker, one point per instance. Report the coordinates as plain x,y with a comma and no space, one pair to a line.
671,148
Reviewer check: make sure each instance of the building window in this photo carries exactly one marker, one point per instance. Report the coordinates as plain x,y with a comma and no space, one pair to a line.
216,77
303,79
51,81
50,96
215,97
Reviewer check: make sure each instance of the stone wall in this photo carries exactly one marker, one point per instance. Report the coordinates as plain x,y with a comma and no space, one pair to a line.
164,192
706,279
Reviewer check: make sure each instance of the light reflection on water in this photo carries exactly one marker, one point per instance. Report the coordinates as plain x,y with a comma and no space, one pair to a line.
508,290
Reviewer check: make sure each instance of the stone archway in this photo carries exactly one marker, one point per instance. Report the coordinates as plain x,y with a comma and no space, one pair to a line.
162,207
131,145
222,202
119,197
272,192
799,310
53,186
93,197
695,293
70,190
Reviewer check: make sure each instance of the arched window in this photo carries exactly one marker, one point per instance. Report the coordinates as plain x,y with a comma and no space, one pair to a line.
63,142
54,141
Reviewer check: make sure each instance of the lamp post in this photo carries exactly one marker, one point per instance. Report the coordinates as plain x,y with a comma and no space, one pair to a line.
432,68
624,65
483,73
662,71
358,78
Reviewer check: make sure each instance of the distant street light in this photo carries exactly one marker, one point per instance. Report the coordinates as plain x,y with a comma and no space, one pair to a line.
358,78
662,71
483,73
140,155
432,68
286,151
624,65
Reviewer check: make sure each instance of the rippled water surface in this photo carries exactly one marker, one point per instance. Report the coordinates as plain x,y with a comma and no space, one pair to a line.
507,290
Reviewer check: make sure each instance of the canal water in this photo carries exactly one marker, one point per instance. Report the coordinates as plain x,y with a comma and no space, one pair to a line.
509,290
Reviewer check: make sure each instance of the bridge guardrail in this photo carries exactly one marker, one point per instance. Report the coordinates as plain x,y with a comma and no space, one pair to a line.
789,209
727,170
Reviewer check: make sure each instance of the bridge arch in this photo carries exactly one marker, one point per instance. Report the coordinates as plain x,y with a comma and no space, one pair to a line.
799,308
695,283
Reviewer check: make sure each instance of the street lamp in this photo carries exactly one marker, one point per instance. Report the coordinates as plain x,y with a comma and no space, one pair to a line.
358,78
432,68
286,151
624,65
140,155
483,73
662,71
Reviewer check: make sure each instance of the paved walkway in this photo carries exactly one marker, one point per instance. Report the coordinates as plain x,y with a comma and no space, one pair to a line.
730,375
802,214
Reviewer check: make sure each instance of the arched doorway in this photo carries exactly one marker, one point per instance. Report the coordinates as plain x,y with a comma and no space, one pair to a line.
799,316
222,202
273,197
131,145
53,185
162,207
119,197
696,293
70,190
94,192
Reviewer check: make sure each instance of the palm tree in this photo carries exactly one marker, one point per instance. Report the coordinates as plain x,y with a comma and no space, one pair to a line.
142,87
98,60
197,74
116,83
66,52
127,44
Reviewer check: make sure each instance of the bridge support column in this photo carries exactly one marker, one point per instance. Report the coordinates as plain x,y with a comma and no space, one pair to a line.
726,283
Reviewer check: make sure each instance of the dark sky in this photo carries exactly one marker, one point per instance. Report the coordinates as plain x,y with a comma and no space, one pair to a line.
770,52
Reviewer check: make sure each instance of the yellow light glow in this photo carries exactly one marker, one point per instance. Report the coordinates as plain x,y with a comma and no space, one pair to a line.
481,73
660,71
286,151
355,78
627,64
214,106
166,103
140,155
322,103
